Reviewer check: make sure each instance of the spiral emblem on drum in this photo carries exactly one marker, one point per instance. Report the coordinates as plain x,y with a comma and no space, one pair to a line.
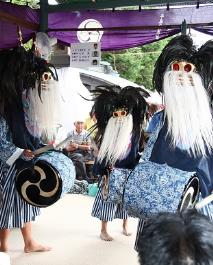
41,185
190,194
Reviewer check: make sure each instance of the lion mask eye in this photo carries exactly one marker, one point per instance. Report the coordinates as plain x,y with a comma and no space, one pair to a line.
120,113
46,76
183,66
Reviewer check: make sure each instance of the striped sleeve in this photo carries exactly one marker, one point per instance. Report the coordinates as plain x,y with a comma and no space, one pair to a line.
8,151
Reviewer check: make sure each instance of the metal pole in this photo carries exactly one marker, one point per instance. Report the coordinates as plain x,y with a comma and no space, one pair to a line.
183,27
43,16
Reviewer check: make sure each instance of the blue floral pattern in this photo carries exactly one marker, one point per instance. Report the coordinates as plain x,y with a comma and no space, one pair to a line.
153,188
152,139
64,166
117,181
7,147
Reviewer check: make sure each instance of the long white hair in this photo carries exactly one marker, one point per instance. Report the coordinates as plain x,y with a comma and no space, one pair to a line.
116,139
44,114
188,112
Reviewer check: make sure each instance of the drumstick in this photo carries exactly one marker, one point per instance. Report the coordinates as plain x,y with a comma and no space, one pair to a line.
61,144
43,149
204,202
51,146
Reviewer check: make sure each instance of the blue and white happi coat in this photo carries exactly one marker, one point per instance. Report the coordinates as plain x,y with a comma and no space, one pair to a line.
14,211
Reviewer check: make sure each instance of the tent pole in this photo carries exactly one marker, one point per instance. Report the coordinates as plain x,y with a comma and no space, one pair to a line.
43,16
183,27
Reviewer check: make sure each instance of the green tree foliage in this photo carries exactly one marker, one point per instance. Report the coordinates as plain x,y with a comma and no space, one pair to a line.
136,64
31,3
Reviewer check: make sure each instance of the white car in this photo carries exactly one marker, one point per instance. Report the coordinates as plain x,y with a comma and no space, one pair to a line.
75,84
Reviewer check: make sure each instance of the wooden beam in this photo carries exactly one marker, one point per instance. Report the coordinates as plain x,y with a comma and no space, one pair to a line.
129,28
17,21
77,5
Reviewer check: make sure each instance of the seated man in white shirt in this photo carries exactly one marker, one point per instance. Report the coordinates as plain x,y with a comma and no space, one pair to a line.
79,149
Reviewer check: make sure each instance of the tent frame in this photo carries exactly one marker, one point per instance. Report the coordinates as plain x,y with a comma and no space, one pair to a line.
102,4
77,5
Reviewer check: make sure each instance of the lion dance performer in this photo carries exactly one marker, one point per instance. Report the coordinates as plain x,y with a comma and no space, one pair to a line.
184,76
24,78
120,114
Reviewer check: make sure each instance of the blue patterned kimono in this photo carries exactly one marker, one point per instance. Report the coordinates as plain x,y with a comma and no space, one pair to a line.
14,211
107,211
179,158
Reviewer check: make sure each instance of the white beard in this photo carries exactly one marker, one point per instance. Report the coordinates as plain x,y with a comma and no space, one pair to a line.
188,112
44,114
116,139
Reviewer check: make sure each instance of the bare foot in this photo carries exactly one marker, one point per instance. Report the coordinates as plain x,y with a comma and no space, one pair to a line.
105,236
126,233
3,248
35,247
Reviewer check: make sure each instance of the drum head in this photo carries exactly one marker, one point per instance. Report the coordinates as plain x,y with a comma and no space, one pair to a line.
190,194
40,185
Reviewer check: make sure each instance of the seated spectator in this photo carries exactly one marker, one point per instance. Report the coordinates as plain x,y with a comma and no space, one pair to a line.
80,141
79,149
176,239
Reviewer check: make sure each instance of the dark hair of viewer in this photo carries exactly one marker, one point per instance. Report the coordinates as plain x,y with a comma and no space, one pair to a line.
177,239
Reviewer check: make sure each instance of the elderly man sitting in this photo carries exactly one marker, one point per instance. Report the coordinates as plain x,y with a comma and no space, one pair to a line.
79,149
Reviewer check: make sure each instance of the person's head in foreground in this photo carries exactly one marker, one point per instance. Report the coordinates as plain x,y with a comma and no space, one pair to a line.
176,239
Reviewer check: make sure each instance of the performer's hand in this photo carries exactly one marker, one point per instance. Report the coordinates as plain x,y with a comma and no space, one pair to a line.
28,154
